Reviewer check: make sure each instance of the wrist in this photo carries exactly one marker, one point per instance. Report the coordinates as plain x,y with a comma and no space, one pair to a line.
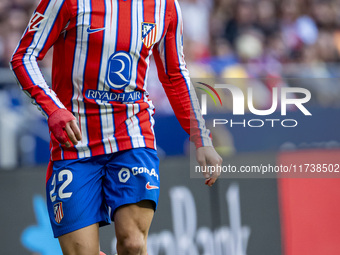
60,117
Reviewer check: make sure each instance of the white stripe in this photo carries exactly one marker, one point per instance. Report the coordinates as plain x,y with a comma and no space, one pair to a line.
151,111
51,148
151,107
106,109
157,18
134,49
62,152
148,39
133,126
160,19
161,30
78,71
106,46
147,60
152,36
138,134
136,44
113,42
161,52
132,121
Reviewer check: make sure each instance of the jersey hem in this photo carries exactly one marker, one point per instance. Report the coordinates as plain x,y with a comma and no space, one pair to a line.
124,146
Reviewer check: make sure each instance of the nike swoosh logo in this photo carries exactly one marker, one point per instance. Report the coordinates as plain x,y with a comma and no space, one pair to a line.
149,187
91,31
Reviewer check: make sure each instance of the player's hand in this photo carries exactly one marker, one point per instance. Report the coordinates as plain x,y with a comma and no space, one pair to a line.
207,156
63,125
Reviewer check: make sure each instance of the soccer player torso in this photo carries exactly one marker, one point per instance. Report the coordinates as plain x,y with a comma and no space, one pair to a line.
100,66
101,58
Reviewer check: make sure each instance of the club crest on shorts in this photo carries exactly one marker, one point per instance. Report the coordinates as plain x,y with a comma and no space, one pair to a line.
58,212
149,33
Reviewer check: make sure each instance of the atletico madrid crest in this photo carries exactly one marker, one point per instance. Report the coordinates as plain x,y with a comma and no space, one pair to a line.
58,212
149,33
35,21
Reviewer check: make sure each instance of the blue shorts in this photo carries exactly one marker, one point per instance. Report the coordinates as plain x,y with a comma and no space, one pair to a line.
85,191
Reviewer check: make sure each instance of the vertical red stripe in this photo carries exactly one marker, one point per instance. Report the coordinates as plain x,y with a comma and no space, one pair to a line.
62,85
149,17
56,153
49,171
123,44
145,124
92,72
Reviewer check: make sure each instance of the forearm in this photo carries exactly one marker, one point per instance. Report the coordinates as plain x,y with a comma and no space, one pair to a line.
185,104
31,81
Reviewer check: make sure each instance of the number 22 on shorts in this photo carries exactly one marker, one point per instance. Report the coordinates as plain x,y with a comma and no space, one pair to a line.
61,193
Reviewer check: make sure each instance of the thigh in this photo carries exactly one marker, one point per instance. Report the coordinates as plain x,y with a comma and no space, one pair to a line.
84,241
75,196
133,219
132,224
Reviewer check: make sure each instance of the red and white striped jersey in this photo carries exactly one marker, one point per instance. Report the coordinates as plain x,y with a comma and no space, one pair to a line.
101,58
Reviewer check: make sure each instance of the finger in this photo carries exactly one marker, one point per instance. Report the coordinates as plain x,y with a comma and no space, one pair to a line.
60,135
214,175
70,134
202,162
205,171
217,171
67,144
76,130
211,182
206,174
